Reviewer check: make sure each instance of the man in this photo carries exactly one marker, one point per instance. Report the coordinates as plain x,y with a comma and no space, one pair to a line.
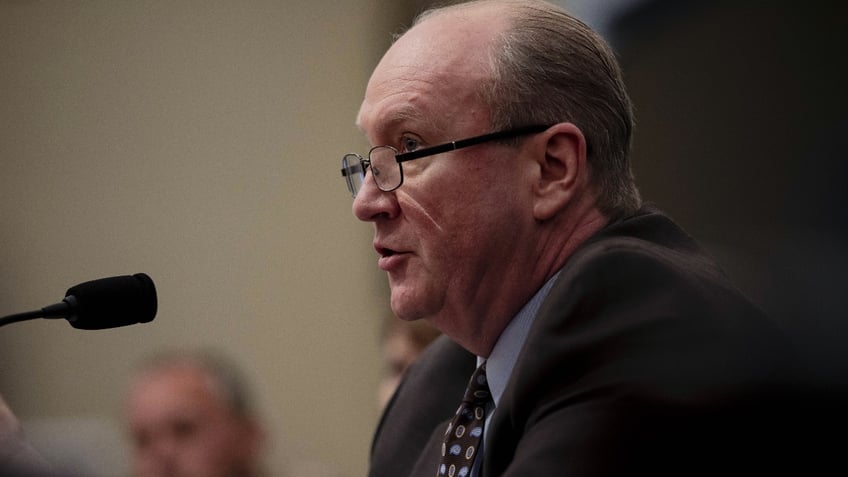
611,342
189,416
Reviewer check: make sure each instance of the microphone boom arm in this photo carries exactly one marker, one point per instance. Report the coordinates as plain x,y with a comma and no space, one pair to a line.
29,315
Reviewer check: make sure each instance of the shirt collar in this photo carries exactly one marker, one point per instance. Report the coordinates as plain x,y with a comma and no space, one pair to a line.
505,353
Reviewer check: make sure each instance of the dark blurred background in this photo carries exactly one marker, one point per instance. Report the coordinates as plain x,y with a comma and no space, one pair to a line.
742,119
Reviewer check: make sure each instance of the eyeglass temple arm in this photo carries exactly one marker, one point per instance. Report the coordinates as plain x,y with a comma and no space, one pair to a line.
351,168
454,145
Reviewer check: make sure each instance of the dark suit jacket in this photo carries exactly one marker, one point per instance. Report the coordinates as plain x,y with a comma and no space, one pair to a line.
429,393
643,360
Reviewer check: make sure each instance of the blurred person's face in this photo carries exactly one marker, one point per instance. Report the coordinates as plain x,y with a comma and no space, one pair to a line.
181,427
399,352
446,238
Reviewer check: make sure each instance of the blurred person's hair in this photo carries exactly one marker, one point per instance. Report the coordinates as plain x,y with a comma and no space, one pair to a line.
227,379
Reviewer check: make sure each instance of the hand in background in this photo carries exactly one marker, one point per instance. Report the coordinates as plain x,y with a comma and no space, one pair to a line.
10,428
15,452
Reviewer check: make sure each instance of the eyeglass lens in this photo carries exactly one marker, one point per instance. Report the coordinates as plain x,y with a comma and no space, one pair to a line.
384,169
353,171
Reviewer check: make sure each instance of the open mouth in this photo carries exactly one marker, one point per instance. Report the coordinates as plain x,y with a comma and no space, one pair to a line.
386,252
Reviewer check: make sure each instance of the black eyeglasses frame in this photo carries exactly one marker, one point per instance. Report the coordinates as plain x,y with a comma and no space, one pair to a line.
433,150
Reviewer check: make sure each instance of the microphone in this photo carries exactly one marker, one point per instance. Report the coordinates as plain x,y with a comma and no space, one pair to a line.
100,304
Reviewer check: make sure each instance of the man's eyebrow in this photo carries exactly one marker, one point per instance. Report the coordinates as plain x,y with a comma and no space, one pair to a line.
405,114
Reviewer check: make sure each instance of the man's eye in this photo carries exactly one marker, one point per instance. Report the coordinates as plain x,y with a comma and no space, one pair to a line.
409,144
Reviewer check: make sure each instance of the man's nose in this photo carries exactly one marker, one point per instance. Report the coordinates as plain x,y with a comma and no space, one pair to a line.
372,203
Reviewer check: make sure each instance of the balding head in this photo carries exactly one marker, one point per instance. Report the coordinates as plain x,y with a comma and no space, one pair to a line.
189,416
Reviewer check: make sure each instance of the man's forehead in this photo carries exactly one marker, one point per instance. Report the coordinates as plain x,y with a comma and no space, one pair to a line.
440,45
431,76
423,94
405,107
435,115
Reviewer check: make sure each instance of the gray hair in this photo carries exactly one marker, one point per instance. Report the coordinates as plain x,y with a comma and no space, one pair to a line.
549,67
228,380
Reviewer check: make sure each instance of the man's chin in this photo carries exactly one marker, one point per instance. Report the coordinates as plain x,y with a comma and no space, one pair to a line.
404,307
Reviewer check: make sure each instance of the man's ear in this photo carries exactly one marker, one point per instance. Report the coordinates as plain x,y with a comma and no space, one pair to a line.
561,162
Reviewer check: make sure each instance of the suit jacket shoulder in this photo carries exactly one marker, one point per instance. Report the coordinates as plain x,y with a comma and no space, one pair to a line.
643,358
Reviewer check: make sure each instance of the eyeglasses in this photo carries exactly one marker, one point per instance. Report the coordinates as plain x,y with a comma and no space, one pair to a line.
385,161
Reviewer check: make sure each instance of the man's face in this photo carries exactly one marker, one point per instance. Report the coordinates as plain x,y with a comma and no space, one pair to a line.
446,237
181,427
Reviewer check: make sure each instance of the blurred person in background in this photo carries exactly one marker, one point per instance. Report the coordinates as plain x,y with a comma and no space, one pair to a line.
190,415
403,342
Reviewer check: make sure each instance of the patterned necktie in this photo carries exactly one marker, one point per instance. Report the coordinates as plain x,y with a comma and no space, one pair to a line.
465,431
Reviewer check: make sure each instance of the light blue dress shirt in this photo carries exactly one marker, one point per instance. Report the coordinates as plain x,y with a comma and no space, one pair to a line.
502,360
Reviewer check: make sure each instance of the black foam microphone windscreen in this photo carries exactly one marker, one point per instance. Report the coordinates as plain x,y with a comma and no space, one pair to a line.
112,302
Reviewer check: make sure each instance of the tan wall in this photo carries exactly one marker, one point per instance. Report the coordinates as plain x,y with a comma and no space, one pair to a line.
198,142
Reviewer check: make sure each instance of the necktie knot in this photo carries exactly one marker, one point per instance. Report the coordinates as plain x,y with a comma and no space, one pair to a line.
478,387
